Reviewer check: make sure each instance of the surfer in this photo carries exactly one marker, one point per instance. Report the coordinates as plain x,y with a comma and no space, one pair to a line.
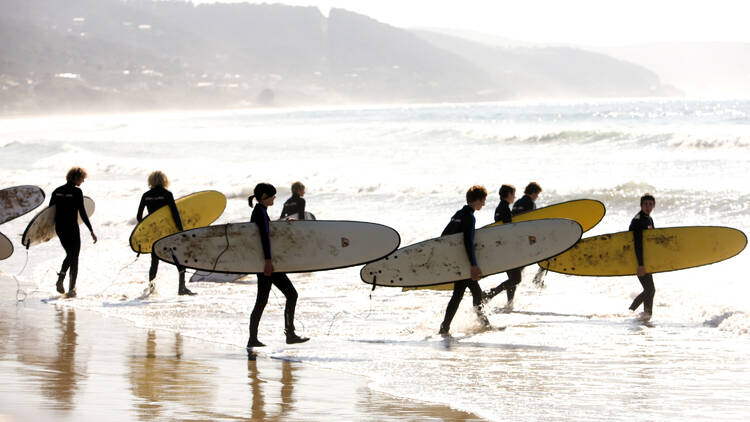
503,213
463,222
526,203
68,200
156,197
642,221
295,206
265,194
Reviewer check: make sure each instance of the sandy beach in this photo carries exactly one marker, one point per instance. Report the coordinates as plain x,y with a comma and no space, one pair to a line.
59,363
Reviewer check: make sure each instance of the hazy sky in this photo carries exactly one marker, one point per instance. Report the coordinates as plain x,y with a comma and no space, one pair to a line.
589,22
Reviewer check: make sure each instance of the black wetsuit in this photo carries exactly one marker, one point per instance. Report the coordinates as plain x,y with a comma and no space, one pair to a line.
462,222
294,206
68,200
152,200
523,205
503,213
638,224
280,280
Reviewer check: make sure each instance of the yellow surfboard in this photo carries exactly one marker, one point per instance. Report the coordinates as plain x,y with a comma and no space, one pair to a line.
667,249
587,212
196,210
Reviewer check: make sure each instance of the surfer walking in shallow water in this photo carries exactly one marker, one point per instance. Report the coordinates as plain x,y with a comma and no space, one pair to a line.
155,198
265,194
463,221
643,221
68,200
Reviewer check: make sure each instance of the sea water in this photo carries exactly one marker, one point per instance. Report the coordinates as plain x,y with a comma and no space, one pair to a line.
570,350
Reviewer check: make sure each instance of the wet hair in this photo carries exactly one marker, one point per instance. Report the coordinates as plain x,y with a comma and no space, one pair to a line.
532,188
260,190
75,174
158,179
475,192
506,189
297,187
648,197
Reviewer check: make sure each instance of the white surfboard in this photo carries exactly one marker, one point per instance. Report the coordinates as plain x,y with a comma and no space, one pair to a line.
200,276
296,246
42,226
308,216
18,200
6,247
498,248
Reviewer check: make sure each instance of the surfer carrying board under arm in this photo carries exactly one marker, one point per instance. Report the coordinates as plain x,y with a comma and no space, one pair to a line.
642,221
265,194
526,203
68,200
294,207
157,197
503,213
463,221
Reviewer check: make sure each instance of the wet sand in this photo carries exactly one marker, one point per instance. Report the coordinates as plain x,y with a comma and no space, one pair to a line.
58,363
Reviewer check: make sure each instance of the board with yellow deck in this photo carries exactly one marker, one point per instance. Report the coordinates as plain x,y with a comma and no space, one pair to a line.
196,210
587,212
666,249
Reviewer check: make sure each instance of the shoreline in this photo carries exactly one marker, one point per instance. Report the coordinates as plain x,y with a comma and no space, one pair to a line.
62,363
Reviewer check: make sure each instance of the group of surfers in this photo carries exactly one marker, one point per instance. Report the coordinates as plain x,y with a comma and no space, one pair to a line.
68,199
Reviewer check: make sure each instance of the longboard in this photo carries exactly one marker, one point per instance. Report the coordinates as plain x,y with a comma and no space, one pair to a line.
6,247
665,249
498,248
41,228
18,200
587,212
196,210
296,246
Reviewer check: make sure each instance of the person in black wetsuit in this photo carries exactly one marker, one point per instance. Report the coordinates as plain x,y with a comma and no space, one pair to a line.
265,194
463,221
295,206
526,203
642,221
156,197
503,213
68,200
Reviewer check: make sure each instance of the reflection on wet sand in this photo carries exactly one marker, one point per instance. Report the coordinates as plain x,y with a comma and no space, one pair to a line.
60,372
165,380
258,401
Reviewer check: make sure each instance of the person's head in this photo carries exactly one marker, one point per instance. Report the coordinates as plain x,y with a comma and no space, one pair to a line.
533,190
508,193
475,197
298,189
648,203
264,193
158,179
76,176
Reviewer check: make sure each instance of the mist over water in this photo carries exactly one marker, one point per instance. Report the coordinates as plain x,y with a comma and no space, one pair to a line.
570,351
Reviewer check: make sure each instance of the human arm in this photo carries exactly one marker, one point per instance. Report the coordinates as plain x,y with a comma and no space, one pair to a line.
175,212
141,206
301,208
468,234
637,230
82,212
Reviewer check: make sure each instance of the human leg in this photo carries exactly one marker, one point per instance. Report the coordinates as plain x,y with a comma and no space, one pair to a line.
282,282
458,293
264,288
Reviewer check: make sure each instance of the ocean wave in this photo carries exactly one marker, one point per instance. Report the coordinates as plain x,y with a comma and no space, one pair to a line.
733,321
